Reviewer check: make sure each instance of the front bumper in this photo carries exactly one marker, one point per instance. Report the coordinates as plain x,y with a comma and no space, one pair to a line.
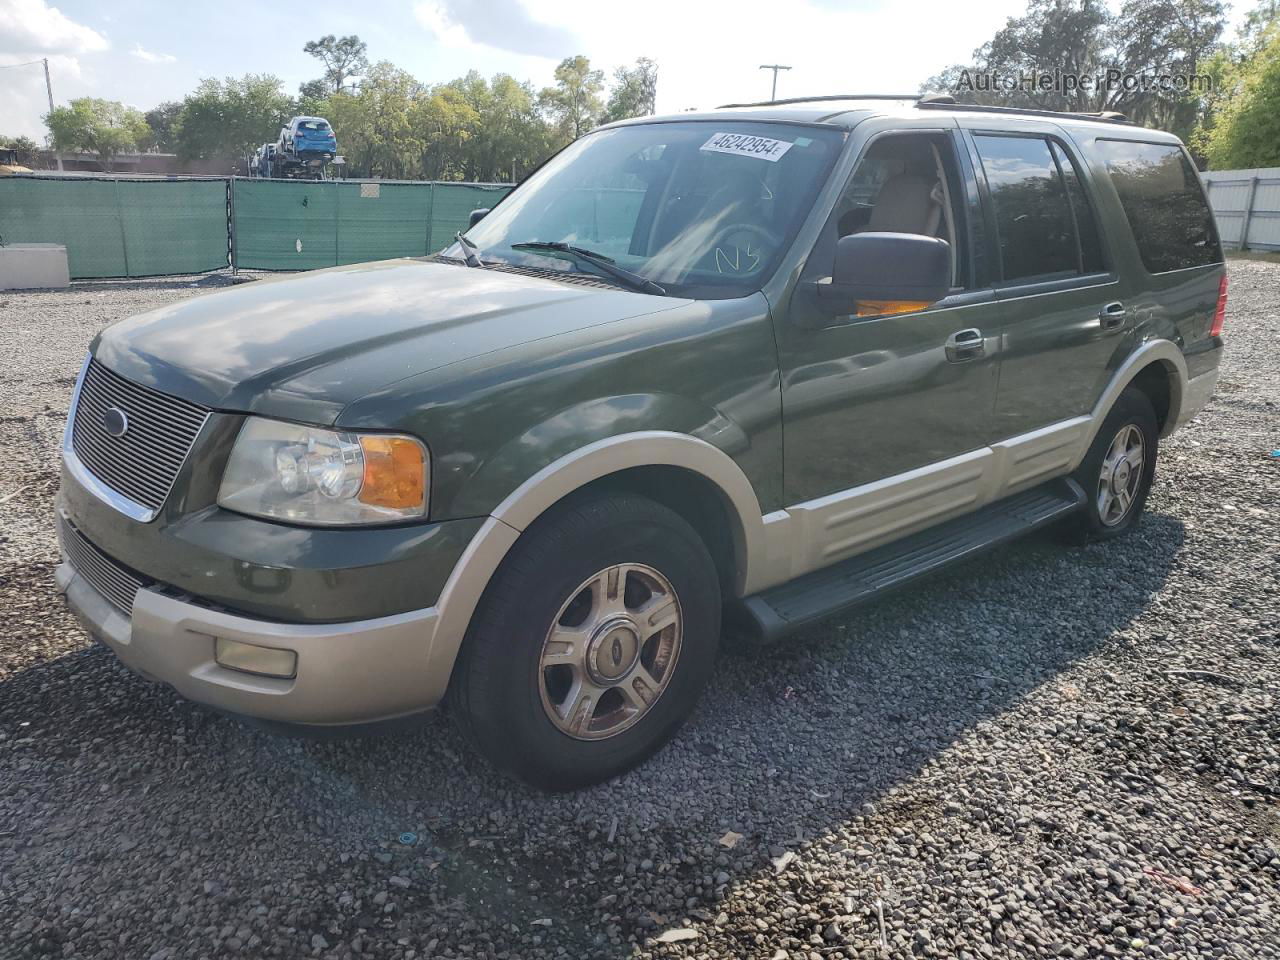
347,673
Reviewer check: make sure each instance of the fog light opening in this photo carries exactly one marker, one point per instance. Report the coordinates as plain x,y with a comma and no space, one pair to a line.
259,661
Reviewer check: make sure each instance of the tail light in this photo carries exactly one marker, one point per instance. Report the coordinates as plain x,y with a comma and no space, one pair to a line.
1220,312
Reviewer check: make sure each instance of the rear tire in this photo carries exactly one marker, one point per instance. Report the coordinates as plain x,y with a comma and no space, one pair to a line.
1117,472
592,643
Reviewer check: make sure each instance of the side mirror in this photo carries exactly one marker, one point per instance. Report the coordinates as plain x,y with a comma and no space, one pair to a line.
888,272
476,216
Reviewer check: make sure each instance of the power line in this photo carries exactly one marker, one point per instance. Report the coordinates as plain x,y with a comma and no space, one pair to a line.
6,66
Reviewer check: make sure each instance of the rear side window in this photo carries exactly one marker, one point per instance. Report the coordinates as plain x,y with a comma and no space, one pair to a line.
1034,219
1165,204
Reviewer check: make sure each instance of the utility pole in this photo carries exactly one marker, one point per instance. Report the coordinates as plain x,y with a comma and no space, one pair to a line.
775,67
48,86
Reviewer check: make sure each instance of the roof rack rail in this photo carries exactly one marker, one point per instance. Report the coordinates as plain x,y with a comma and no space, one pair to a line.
946,102
823,99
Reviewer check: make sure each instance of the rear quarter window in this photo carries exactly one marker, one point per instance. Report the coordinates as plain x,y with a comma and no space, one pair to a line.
1164,203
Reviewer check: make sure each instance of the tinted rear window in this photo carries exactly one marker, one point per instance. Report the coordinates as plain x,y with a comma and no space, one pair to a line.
1162,197
1034,220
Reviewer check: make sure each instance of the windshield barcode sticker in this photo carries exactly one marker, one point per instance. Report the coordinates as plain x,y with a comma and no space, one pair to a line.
745,145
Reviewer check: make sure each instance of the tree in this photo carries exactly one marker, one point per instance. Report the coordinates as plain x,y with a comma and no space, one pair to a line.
574,102
163,123
27,151
1082,38
635,90
343,58
486,130
1174,37
311,97
447,123
512,137
226,120
375,127
1247,133
104,127
1253,32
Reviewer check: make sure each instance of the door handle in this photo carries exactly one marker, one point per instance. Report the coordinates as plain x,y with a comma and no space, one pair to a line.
965,345
1111,316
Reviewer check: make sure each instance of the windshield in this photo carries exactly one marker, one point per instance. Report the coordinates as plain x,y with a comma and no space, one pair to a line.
704,209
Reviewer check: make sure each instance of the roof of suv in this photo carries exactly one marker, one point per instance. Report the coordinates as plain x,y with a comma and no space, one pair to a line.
847,111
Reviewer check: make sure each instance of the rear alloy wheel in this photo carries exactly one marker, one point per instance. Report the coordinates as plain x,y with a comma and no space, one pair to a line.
1117,472
1120,475
591,644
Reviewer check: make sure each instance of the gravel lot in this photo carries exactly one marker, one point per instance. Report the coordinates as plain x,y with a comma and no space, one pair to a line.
1048,752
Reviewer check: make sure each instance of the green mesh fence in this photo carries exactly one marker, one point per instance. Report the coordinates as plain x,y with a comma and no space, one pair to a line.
120,228
452,203
302,225
148,228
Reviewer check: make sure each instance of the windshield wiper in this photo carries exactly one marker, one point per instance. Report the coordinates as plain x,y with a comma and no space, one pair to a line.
597,260
470,252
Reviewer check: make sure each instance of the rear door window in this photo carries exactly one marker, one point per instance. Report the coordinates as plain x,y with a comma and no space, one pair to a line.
1162,198
1034,220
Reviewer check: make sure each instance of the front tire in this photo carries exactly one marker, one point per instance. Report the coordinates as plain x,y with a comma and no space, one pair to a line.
1117,472
591,644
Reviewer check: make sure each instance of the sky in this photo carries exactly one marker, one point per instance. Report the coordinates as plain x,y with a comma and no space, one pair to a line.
143,52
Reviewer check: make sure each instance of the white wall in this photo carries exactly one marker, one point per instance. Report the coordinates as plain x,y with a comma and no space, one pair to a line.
1230,194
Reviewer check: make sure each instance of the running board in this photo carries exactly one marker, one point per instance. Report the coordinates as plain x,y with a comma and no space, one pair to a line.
774,613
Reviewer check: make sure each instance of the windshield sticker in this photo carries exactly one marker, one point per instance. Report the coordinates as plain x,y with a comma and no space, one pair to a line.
744,145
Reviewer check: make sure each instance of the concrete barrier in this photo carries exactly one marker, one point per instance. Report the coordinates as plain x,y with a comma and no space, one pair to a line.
34,266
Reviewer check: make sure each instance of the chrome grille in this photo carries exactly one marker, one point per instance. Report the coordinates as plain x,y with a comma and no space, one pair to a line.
142,463
113,581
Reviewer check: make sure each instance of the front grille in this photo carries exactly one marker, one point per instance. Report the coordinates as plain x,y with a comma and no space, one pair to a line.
118,584
142,463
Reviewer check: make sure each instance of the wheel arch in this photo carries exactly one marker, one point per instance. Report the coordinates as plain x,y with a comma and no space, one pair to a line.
664,465
1159,369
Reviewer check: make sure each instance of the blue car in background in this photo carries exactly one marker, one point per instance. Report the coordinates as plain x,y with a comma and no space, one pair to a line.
308,136
305,146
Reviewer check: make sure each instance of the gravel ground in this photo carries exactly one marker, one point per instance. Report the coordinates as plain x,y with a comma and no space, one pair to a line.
1048,752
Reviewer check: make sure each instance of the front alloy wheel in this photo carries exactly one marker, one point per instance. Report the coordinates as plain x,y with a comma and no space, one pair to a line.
592,643
611,652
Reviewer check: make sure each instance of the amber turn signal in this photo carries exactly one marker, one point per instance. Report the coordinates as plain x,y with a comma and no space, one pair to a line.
395,472
877,308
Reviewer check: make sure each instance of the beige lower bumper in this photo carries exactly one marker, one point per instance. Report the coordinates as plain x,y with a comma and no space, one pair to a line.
347,673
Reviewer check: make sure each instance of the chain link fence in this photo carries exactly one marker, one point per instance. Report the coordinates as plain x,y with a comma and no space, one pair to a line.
147,228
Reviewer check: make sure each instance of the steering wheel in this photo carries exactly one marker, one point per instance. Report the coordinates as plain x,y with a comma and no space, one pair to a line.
739,248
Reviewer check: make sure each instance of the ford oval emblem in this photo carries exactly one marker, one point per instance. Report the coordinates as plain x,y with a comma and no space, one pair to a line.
115,422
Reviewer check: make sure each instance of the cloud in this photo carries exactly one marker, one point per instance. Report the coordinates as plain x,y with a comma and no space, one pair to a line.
501,24
150,57
32,30
33,27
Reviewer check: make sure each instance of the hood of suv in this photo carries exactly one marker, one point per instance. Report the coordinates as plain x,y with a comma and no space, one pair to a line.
305,346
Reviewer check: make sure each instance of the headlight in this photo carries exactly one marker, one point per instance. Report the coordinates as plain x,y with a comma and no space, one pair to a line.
308,475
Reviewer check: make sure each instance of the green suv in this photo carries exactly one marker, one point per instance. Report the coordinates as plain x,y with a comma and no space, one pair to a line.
741,369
